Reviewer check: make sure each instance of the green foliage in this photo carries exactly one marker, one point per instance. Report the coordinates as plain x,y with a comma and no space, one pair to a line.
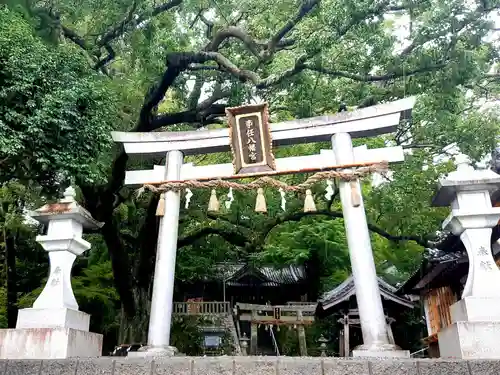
55,112
3,308
187,336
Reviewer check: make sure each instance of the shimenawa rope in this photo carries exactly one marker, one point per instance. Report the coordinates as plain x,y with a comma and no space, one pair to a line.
266,181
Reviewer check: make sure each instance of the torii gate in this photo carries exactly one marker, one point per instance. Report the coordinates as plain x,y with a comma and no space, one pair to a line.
340,128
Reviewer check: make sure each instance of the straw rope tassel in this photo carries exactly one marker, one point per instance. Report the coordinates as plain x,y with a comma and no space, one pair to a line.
213,203
189,194
355,197
260,202
309,205
160,209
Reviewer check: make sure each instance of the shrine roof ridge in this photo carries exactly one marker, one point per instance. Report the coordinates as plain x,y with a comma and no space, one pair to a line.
271,276
347,289
369,121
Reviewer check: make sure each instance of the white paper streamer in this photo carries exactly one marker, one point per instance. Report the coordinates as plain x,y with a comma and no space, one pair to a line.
189,194
230,200
329,190
283,199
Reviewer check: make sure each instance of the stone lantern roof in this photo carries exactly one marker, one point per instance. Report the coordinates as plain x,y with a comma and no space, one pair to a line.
465,178
66,208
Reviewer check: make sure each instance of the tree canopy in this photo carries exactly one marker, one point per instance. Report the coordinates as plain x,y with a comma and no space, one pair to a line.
73,71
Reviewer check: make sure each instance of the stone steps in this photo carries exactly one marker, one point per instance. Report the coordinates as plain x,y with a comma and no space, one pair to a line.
231,327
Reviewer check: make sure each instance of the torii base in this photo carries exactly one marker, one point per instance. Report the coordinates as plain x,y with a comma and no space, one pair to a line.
50,333
474,331
49,343
380,351
152,352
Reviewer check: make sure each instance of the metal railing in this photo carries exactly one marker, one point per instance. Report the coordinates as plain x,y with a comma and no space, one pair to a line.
201,308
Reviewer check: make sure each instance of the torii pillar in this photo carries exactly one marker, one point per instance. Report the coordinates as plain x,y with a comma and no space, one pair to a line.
376,339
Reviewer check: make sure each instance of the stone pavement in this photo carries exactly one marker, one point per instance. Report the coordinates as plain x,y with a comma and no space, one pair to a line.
247,366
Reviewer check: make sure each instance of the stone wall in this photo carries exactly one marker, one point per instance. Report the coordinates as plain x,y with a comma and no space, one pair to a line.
247,366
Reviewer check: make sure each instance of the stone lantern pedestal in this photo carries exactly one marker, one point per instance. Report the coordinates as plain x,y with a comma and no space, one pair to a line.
475,329
54,327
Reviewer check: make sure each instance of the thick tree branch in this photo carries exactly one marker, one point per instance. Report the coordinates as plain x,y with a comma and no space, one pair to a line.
300,65
263,51
416,145
234,237
306,7
213,216
155,96
225,65
75,38
177,62
130,22
110,57
406,6
133,19
200,116
195,94
233,32
209,24
218,94
376,78
297,216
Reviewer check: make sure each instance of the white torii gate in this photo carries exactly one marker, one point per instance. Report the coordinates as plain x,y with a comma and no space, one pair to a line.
340,128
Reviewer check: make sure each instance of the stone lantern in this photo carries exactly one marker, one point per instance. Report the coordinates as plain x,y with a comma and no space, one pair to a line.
322,345
54,327
475,318
244,344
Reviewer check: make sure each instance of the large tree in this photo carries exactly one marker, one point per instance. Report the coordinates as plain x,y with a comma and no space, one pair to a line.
178,64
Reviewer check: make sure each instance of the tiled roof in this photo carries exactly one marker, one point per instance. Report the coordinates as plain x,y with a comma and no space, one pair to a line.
231,273
434,260
346,290
440,256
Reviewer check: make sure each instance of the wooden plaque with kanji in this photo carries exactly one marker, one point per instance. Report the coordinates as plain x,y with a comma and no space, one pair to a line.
251,141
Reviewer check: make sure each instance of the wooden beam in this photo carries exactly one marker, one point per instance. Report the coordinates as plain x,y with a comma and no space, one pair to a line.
347,349
288,320
365,122
284,308
283,165
341,344
354,321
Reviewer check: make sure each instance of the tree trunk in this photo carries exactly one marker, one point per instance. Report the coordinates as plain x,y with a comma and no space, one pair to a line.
315,270
134,330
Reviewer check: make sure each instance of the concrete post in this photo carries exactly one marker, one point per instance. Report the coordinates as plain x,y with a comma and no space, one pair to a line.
371,312
163,284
